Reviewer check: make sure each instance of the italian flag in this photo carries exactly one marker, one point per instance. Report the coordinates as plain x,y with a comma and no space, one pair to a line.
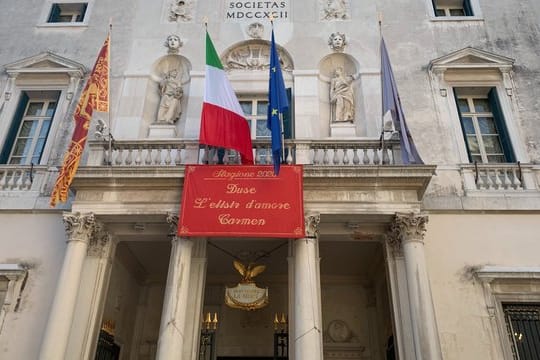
222,120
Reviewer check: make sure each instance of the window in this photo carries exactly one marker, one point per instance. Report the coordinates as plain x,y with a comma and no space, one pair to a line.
523,327
30,127
12,279
483,125
452,8
67,12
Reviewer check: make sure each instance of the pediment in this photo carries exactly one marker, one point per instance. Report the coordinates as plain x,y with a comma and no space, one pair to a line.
471,58
254,55
45,63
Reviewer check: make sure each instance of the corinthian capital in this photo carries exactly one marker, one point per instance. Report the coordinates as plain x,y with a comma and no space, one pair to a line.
99,243
409,226
172,220
312,225
79,227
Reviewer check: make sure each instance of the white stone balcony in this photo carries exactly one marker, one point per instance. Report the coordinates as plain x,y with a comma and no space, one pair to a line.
496,178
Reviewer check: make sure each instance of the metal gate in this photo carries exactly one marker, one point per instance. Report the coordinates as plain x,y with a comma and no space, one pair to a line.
523,324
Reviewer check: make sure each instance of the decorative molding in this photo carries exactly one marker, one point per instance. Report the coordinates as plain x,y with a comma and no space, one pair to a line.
337,41
312,225
334,10
79,227
409,227
46,63
181,10
255,30
98,245
172,220
254,55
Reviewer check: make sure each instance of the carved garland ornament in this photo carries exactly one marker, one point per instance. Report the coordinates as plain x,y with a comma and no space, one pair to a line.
172,220
312,225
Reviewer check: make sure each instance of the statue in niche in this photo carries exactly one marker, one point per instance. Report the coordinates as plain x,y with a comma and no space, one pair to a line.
342,97
170,106
173,44
337,41
334,10
180,10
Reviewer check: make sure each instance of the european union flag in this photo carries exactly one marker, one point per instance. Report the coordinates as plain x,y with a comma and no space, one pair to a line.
277,105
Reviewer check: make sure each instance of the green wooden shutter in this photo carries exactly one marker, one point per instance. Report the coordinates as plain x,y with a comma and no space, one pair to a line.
501,125
80,17
434,2
13,128
467,8
461,124
287,123
55,13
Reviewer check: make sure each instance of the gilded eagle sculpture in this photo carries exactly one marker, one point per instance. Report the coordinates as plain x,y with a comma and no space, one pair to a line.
248,272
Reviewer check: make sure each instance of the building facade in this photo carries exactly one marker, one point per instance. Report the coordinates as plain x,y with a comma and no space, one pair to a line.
423,261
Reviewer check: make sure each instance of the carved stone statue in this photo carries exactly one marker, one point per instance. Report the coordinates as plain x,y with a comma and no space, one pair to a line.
342,96
334,10
171,92
337,41
173,43
180,10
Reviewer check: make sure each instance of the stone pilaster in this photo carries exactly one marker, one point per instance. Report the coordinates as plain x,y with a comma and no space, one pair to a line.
409,230
307,335
79,229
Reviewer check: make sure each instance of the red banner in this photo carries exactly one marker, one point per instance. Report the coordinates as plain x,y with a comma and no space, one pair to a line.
242,201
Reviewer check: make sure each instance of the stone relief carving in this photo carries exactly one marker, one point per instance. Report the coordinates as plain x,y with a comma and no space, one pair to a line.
338,331
312,225
337,41
173,44
98,243
254,56
79,227
172,220
181,10
334,10
171,91
255,30
341,96
409,227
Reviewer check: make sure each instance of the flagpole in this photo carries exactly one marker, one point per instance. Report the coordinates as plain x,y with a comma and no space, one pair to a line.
382,95
109,94
280,115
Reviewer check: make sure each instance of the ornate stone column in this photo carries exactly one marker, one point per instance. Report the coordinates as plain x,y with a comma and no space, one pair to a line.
409,230
92,294
307,335
79,229
173,317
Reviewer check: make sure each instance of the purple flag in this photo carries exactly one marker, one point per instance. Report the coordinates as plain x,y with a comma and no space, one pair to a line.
391,105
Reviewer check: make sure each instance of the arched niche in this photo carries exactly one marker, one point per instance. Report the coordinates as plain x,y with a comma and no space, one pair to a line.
159,70
327,69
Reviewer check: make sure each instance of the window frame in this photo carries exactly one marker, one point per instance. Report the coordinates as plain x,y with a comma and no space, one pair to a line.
31,98
48,6
507,285
15,275
474,6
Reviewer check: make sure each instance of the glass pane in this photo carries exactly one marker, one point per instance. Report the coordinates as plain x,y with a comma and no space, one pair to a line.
262,107
457,12
17,160
496,159
463,105
492,144
44,128
487,125
38,149
481,105
467,125
476,158
28,128
50,109
262,130
439,12
64,18
246,107
21,147
34,108
473,144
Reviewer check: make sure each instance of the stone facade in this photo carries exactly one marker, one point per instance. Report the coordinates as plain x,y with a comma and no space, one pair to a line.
428,255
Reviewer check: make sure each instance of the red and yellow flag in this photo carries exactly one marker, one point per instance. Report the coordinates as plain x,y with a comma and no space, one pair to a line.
95,96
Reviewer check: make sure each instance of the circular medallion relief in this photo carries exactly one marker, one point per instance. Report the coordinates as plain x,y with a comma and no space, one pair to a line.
338,331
